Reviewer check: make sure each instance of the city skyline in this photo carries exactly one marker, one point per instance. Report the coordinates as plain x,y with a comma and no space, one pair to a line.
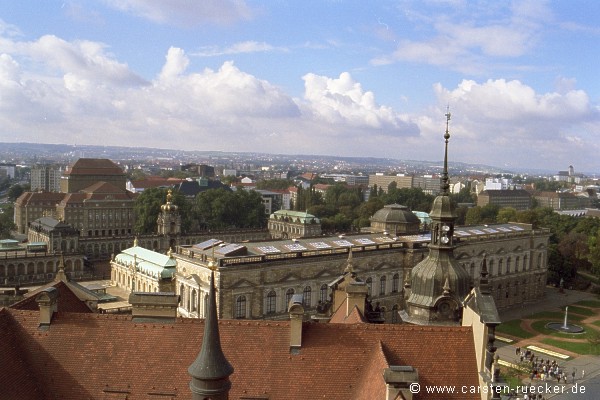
340,78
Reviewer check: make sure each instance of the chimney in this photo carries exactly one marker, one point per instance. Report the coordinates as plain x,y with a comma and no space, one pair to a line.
46,300
356,293
296,310
398,380
154,306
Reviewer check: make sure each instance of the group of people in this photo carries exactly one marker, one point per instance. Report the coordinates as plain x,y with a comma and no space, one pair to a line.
544,369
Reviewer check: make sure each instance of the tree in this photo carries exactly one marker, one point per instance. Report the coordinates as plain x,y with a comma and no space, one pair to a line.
594,252
14,192
506,215
473,216
6,221
221,209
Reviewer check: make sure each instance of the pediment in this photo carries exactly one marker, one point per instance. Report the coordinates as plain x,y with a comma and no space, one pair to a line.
242,283
462,255
324,274
290,278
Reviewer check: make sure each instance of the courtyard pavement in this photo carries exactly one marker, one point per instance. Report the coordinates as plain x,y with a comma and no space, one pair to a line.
586,367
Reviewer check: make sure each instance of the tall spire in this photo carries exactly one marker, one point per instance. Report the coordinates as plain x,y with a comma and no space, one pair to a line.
210,371
445,185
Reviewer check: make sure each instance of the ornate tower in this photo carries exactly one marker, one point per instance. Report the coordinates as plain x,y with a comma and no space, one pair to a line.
169,220
438,284
210,371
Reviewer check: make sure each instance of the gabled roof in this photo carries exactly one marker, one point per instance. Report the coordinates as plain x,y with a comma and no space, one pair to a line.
68,301
97,355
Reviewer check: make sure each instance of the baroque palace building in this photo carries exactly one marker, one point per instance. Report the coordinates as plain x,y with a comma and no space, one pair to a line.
257,279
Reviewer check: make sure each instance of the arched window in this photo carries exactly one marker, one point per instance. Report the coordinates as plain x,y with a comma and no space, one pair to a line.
382,282
517,261
525,266
500,267
508,266
271,306
539,262
288,296
306,298
323,293
491,267
395,283
369,284
240,307
194,300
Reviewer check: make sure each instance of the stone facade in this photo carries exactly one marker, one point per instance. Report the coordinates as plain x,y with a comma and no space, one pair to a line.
286,224
255,284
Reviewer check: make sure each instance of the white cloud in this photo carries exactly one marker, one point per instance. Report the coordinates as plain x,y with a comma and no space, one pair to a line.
343,101
185,12
238,48
465,39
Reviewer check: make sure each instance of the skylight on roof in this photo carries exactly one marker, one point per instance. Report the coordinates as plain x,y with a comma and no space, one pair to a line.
385,239
320,245
228,249
364,241
490,230
342,243
295,247
207,244
516,228
269,249
462,233
504,229
477,231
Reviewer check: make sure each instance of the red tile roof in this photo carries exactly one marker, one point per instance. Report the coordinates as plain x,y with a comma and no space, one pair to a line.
94,166
84,356
67,300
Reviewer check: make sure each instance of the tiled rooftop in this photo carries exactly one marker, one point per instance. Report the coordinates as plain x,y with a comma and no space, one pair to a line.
83,356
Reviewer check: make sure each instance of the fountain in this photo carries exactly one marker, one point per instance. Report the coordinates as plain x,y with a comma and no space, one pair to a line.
565,327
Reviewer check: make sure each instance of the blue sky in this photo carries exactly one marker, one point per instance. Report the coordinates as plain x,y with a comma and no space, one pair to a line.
332,77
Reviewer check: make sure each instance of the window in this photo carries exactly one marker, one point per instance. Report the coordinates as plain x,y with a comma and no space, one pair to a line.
240,307
508,265
271,306
288,296
500,267
395,283
306,299
517,262
395,315
194,300
369,284
323,295
382,283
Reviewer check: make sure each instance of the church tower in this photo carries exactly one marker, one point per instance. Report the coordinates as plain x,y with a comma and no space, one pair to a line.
438,284
210,371
169,220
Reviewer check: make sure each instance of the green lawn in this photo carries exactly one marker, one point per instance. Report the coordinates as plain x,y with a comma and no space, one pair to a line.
513,328
556,315
575,347
589,303
581,311
597,323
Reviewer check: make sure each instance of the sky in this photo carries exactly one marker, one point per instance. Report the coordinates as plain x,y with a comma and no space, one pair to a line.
322,77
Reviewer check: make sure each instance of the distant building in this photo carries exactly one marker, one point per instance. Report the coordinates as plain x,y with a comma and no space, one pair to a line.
518,199
46,178
561,200
384,181
569,176
88,171
285,224
8,170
